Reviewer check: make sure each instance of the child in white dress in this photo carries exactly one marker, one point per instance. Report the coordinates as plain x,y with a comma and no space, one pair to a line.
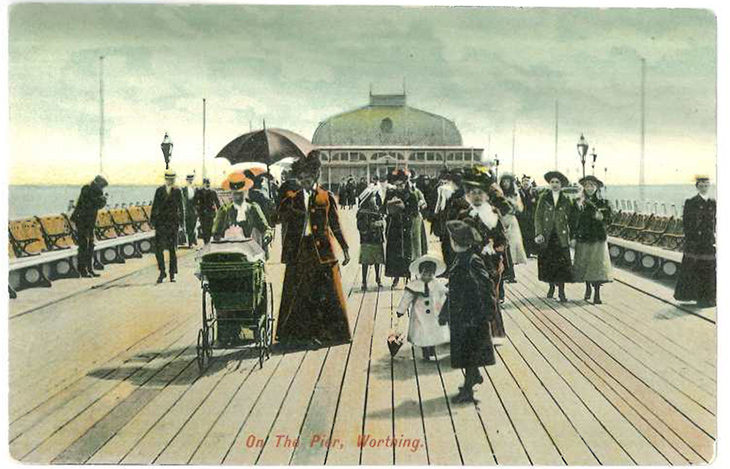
423,299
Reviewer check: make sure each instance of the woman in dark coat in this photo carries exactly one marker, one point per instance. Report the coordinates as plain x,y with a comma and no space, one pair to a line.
552,230
401,209
591,216
469,308
370,224
698,277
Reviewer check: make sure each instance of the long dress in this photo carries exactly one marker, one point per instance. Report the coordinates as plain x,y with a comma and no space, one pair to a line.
698,275
552,221
592,262
419,243
423,306
313,306
399,231
527,220
513,232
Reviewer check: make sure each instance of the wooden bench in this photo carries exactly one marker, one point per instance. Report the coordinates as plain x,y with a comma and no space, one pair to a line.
621,221
123,221
57,232
654,231
105,227
673,237
639,222
139,218
26,237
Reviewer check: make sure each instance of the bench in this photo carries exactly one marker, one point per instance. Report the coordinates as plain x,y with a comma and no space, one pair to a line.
57,231
621,221
673,237
105,227
123,221
139,218
638,223
654,231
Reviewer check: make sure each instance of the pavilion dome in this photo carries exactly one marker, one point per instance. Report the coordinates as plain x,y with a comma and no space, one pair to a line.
387,121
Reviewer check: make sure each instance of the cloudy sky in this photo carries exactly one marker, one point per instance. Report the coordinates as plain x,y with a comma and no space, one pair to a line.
485,68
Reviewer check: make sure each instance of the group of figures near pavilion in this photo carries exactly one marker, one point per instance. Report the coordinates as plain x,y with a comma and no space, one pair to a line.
486,226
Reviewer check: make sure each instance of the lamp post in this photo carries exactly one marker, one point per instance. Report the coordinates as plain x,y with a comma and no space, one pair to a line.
582,150
593,165
166,147
496,163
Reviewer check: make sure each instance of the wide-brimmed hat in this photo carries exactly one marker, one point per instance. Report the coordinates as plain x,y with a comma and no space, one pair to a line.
557,174
478,176
239,182
509,176
415,267
525,176
308,164
592,179
463,233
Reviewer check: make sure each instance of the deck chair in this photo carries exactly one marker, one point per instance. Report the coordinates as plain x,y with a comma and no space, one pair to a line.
105,227
122,221
139,218
26,237
57,232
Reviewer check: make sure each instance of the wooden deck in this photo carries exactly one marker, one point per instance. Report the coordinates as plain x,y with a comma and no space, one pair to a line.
108,375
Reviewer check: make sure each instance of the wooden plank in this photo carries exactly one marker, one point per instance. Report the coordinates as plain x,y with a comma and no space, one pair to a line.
348,423
378,426
407,416
219,439
634,370
619,418
92,398
474,444
540,448
154,442
139,353
245,448
284,432
652,409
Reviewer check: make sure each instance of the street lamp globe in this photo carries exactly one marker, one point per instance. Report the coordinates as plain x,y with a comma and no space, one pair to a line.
582,147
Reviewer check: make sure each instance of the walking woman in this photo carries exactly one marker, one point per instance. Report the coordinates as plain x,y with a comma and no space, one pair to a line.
552,229
509,220
401,209
591,216
371,225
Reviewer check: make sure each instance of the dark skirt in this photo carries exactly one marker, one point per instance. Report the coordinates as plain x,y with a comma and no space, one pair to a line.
313,306
697,278
371,254
398,253
553,263
471,345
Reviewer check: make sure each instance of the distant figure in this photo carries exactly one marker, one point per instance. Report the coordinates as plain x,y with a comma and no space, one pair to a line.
552,229
206,204
91,200
71,205
371,226
698,276
191,217
526,219
167,212
591,216
361,186
342,193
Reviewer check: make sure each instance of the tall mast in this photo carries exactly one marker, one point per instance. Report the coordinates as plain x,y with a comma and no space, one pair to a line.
556,134
203,138
643,128
514,127
101,114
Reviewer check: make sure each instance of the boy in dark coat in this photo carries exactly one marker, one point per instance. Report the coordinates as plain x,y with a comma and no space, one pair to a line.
469,308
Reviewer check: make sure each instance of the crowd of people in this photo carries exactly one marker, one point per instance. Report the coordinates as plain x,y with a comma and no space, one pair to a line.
486,226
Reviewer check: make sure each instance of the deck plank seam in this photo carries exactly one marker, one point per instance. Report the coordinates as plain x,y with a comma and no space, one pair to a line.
593,365
448,407
420,406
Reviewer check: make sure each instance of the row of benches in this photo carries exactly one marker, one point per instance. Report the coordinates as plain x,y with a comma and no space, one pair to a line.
42,249
649,229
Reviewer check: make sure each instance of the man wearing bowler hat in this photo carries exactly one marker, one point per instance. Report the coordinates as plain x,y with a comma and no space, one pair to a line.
167,212
206,204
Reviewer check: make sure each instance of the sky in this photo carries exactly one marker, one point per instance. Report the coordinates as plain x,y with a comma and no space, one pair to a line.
487,69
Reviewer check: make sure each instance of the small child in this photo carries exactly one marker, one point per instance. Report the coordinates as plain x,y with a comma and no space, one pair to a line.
424,298
371,226
469,308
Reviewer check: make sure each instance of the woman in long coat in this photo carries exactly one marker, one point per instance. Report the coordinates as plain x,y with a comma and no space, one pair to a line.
552,229
591,216
698,277
469,308
401,208
371,225
313,309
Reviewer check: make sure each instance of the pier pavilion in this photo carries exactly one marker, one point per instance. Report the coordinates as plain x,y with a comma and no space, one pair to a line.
386,134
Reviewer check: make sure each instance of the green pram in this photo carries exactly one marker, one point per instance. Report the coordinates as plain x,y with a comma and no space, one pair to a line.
236,297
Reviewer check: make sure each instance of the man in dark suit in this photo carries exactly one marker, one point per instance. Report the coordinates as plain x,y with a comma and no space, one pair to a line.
167,211
526,218
191,216
91,200
206,204
698,275
313,306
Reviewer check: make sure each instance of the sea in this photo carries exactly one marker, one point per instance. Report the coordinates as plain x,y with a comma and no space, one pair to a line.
27,200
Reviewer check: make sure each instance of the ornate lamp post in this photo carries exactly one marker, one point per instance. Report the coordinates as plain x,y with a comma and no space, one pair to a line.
582,150
166,147
593,165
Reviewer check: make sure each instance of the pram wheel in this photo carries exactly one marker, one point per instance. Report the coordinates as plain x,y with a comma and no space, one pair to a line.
202,350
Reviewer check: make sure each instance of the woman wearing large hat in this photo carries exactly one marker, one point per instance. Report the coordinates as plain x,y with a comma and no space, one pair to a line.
512,227
591,216
552,230
401,210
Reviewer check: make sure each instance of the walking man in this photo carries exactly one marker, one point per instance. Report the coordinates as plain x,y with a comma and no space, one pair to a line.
206,204
91,200
167,211
191,217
